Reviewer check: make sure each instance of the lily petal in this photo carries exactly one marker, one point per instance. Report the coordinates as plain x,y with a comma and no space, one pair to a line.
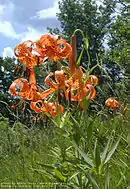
112,103
23,87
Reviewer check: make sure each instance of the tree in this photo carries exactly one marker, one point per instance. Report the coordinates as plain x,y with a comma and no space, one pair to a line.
7,66
92,19
117,57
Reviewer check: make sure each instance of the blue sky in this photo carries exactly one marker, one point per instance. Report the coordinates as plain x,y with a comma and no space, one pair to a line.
21,20
26,19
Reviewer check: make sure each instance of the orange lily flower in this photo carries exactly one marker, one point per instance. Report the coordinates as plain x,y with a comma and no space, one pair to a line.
24,51
85,91
112,103
72,81
26,92
32,79
77,85
64,52
93,80
23,86
53,47
53,110
81,92
47,107
35,106
54,86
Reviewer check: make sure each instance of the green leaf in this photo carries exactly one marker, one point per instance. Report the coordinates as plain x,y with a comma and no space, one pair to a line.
65,119
122,179
44,172
86,43
74,175
48,166
85,156
58,116
92,181
77,134
85,102
90,127
128,139
91,70
55,152
97,156
83,167
107,179
106,150
89,131
59,175
111,152
101,129
79,58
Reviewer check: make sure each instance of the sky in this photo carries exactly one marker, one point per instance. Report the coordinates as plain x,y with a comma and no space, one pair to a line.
23,20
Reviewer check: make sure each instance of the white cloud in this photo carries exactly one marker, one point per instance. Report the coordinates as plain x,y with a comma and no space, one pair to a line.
2,9
47,13
6,14
8,26
31,34
7,30
7,11
8,51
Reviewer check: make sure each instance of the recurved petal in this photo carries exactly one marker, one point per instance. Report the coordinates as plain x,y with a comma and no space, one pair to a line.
47,92
19,87
59,76
92,91
36,106
64,52
48,80
52,109
23,49
61,109
93,80
112,103
60,79
33,95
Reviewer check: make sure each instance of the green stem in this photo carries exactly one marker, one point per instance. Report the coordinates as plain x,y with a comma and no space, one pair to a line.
85,43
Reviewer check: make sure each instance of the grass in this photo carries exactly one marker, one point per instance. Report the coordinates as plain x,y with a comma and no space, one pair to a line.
71,156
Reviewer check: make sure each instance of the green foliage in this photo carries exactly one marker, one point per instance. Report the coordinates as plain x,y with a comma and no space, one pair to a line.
118,55
90,162
73,155
6,73
21,148
6,77
92,19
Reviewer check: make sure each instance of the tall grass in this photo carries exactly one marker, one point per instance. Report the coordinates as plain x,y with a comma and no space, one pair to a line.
81,152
